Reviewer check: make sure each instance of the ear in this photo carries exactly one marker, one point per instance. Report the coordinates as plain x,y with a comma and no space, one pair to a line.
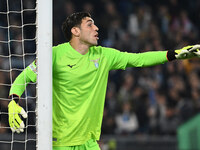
75,31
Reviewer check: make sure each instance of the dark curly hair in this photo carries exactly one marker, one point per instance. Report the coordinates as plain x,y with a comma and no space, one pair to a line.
71,21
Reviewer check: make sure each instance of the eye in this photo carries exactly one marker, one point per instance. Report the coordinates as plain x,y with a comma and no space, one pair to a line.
89,24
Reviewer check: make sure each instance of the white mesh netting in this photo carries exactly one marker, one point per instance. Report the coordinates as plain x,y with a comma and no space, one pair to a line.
17,51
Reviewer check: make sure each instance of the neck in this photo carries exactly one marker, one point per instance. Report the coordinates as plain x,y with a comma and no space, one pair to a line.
79,47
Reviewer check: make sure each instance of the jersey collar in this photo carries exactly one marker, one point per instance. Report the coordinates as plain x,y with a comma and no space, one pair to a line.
73,52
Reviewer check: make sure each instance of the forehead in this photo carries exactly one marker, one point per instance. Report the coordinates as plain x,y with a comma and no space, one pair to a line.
87,19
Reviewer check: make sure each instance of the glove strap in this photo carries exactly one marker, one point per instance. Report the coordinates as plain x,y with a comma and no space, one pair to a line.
171,55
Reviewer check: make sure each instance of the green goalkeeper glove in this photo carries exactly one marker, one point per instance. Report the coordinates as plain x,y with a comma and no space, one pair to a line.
15,122
184,53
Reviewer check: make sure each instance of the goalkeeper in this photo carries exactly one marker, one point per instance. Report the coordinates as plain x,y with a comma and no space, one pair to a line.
80,75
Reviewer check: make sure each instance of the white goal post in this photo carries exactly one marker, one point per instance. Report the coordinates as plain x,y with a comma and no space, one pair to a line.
44,80
26,35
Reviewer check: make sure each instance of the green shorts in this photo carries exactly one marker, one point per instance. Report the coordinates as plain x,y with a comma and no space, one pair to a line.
89,145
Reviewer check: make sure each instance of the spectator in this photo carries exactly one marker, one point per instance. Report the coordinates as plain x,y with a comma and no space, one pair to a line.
126,121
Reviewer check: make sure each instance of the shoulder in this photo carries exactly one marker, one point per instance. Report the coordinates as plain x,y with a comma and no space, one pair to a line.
60,50
101,49
59,47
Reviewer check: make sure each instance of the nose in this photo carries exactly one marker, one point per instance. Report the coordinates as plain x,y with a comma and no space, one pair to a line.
96,28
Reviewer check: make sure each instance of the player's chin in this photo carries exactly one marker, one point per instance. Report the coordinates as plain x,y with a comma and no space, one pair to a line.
94,43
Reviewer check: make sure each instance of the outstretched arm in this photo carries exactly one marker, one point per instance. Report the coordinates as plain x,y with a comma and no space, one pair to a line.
121,60
159,57
147,59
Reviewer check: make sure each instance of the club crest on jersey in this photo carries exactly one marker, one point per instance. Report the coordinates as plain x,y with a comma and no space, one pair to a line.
96,63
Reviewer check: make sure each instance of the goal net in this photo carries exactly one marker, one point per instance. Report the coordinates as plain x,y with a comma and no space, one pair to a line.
19,46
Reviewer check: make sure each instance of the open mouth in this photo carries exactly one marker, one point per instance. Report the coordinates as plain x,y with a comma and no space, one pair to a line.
96,36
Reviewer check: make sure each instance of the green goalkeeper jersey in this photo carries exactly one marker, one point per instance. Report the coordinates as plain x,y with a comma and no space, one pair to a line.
79,88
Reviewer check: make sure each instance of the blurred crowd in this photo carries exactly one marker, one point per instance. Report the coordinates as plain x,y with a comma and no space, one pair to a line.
153,100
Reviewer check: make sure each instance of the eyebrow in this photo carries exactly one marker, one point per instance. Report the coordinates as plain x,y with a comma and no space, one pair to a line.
90,20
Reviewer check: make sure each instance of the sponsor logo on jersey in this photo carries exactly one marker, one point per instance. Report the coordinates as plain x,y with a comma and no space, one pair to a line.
96,62
71,65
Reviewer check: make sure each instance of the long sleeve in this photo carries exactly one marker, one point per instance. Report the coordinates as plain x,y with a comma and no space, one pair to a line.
122,60
29,74
147,59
